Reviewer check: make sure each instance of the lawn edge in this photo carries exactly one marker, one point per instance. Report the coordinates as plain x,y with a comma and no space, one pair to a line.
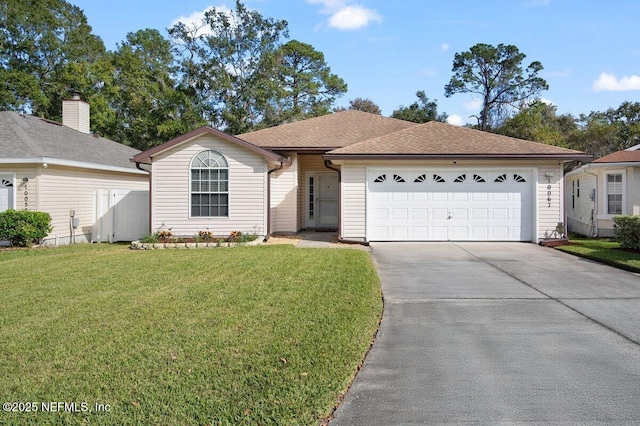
617,265
340,399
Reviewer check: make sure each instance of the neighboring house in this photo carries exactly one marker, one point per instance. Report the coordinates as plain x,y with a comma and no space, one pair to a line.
369,177
87,183
598,191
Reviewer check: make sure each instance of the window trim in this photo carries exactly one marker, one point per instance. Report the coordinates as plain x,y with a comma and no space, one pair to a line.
606,193
190,183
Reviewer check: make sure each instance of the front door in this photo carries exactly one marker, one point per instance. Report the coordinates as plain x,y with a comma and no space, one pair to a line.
322,193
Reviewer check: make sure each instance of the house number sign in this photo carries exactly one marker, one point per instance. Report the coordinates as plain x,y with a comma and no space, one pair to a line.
548,196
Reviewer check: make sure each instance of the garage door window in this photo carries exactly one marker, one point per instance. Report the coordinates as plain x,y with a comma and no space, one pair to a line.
518,178
460,178
478,178
383,179
501,178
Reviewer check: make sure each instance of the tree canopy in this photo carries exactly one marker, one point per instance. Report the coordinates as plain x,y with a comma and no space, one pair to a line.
496,75
308,88
231,71
47,49
421,111
539,122
362,104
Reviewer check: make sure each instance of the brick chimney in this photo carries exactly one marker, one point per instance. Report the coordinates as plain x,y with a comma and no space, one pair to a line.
75,113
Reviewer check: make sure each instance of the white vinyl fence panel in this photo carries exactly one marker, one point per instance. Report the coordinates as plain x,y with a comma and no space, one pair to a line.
120,215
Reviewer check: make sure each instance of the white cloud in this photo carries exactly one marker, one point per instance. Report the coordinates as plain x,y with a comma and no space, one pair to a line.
610,83
195,20
353,17
455,119
474,105
547,101
346,16
444,47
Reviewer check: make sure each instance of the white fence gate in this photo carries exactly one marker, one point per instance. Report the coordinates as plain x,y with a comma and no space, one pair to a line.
120,215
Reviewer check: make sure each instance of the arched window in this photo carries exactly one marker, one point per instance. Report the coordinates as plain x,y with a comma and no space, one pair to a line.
209,185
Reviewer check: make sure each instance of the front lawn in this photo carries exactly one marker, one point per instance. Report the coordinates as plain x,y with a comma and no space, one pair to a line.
605,251
250,335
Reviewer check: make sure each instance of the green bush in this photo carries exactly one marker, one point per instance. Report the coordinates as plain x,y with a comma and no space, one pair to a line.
626,229
23,228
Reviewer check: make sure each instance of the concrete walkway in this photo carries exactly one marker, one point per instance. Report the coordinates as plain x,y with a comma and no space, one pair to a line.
499,333
313,239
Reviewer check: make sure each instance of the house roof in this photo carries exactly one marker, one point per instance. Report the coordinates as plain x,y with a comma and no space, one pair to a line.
326,132
440,140
24,137
625,156
146,157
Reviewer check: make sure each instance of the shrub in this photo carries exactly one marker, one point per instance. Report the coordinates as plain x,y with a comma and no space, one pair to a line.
626,229
205,235
23,228
153,238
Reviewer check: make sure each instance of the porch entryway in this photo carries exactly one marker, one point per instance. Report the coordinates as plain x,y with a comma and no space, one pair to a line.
322,200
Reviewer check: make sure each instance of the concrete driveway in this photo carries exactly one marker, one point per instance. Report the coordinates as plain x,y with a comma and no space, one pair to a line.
499,333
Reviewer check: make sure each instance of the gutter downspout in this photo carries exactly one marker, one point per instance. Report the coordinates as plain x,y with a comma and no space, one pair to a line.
330,166
150,197
268,230
594,213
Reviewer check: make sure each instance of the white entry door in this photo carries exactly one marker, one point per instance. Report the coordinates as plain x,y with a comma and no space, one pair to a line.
323,191
455,204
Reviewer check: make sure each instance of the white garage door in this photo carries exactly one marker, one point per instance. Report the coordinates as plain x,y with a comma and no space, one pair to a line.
440,205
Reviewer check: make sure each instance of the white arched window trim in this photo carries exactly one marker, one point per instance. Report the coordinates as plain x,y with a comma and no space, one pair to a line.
209,185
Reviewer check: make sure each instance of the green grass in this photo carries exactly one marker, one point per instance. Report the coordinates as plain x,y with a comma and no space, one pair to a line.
605,251
250,335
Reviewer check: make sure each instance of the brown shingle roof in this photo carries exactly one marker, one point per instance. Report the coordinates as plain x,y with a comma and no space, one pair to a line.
326,132
620,157
435,139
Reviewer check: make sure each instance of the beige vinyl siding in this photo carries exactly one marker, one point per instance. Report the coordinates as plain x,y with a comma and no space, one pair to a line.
306,163
579,209
354,194
247,190
549,199
284,198
62,189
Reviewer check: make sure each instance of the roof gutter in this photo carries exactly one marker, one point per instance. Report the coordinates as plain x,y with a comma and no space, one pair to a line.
275,169
330,166
621,164
562,157
594,211
68,163
149,210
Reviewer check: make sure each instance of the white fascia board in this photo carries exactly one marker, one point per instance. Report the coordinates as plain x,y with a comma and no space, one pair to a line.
613,165
71,163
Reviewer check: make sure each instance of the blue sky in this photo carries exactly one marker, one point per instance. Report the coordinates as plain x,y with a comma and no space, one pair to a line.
387,50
